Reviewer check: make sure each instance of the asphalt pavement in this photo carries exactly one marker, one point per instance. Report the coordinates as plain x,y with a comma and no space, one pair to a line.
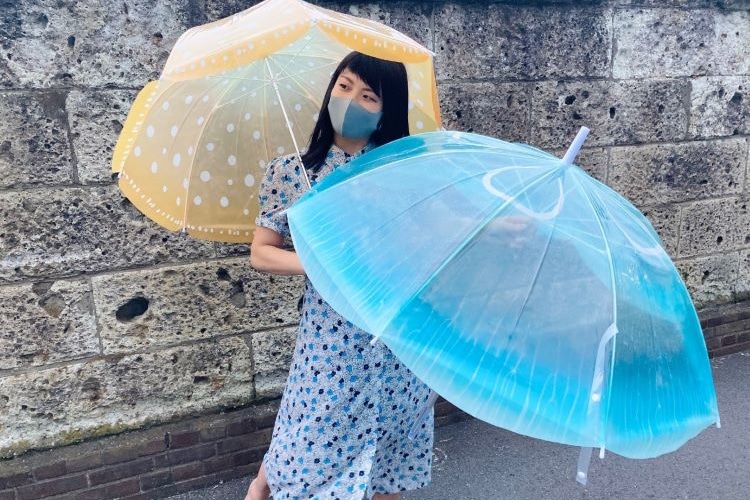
475,461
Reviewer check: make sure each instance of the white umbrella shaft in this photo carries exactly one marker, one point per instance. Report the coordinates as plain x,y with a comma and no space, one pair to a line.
286,119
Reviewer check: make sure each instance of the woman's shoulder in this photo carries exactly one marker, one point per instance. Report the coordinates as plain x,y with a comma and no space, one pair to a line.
284,162
286,168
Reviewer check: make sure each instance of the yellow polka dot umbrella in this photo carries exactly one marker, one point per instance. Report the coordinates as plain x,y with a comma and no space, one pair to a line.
238,92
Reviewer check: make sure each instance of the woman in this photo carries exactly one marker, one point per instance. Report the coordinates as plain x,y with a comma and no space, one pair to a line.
347,407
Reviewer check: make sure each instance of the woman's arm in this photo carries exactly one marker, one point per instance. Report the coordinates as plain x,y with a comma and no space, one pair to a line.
267,255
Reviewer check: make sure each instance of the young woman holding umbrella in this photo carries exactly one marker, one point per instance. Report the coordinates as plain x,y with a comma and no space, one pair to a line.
348,405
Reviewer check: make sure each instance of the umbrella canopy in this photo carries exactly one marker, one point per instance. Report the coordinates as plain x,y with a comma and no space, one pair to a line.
515,285
238,92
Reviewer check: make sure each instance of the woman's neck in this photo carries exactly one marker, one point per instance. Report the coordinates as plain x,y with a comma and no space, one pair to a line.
349,145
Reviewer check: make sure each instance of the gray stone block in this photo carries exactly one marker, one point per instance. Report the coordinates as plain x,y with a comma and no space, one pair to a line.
410,18
618,113
594,161
96,44
63,232
687,4
219,9
488,41
710,280
47,322
714,226
720,106
34,144
742,290
232,249
497,110
666,221
69,403
671,43
669,173
157,307
272,355
96,119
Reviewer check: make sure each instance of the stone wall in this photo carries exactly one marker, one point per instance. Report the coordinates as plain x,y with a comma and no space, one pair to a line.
107,322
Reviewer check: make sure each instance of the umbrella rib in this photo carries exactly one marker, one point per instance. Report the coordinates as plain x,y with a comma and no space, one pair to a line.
536,275
479,227
293,56
288,124
192,163
614,299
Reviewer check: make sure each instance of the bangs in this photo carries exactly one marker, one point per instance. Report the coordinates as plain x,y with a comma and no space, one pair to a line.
370,70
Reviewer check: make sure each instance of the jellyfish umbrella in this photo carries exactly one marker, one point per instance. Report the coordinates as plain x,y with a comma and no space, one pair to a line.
515,285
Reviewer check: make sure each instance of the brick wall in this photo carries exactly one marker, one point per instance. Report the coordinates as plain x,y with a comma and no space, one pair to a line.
157,462
726,328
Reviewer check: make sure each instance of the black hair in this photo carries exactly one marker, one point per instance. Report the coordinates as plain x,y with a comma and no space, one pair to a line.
389,81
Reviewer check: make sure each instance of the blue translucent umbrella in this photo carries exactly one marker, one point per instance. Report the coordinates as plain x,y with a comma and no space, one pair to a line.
522,290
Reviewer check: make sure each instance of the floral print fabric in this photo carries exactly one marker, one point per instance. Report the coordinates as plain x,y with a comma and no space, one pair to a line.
348,405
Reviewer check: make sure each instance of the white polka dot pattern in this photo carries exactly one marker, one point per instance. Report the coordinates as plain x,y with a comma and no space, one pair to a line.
197,140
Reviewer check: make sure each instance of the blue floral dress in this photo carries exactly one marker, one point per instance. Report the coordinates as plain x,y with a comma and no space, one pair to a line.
347,407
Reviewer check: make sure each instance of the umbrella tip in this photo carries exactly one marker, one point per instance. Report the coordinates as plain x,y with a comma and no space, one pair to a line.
576,146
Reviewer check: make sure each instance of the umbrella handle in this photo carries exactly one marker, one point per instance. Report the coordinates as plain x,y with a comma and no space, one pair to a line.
422,416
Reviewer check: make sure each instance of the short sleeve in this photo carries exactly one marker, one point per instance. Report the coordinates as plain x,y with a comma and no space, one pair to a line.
279,188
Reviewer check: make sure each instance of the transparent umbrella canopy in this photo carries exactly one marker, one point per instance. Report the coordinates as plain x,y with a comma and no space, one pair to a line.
517,287
238,92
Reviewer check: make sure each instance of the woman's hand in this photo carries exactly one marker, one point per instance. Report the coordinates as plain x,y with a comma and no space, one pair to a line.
267,254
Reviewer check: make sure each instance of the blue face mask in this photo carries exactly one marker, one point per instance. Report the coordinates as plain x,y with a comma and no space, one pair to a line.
351,120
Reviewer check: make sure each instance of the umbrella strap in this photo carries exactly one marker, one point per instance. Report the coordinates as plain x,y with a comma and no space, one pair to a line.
288,123
584,460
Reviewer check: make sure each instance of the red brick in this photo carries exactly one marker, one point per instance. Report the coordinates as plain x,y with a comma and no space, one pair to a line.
53,487
187,471
195,483
127,487
713,343
245,426
711,322
106,492
127,469
723,351
194,454
86,462
14,480
218,464
152,447
728,340
247,457
155,480
249,470
119,455
214,432
161,461
443,408
244,441
140,496
8,495
184,439
49,471
733,327
265,421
